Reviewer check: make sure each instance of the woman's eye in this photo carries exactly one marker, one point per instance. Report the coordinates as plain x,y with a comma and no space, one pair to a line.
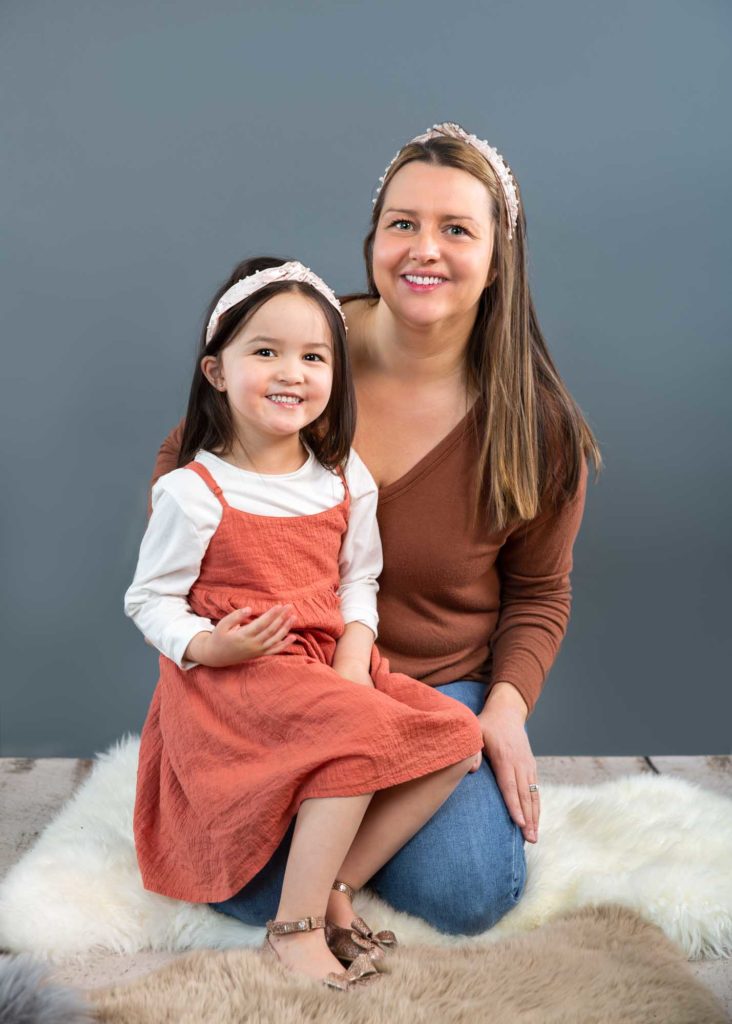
401,221
459,228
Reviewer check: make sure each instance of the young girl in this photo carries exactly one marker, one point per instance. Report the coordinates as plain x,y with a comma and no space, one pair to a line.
257,583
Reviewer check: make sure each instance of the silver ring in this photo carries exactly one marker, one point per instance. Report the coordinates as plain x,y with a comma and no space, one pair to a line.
533,788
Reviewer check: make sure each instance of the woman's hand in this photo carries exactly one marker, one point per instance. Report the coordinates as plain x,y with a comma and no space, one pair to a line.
507,748
231,643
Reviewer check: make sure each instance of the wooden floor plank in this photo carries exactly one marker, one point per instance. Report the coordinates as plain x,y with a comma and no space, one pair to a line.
587,771
712,771
32,791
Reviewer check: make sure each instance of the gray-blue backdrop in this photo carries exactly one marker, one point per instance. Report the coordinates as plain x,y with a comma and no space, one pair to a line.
148,146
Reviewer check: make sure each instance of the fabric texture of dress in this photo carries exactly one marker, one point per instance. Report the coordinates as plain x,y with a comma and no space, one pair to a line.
228,755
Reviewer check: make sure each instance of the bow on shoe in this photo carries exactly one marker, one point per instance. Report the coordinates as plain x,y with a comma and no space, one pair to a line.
361,972
364,937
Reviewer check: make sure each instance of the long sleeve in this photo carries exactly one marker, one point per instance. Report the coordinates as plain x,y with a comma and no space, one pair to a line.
361,557
534,565
170,560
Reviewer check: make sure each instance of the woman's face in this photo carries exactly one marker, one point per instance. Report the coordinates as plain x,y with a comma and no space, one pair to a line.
433,244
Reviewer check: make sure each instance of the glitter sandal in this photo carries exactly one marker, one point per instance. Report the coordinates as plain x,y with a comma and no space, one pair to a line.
358,940
361,971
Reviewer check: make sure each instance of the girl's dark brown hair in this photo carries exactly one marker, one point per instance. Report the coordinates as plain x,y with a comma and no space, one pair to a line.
208,422
533,437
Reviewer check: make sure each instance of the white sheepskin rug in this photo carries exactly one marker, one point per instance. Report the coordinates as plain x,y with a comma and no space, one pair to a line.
655,844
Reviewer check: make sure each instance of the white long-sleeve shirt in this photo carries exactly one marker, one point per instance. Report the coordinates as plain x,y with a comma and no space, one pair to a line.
185,514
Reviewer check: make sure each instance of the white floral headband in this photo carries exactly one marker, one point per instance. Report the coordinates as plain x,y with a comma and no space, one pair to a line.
246,286
503,172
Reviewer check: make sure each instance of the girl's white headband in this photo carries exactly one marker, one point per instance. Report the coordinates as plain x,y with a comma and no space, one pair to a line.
246,286
451,130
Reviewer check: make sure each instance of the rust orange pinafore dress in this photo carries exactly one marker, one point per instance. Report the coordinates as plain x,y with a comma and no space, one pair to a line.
227,755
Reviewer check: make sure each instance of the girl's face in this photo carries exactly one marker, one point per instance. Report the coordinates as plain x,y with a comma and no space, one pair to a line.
277,371
433,244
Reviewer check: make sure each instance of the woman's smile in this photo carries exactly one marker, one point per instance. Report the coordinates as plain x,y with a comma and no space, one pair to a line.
423,282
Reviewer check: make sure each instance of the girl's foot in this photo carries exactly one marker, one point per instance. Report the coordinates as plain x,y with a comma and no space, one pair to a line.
347,934
300,953
339,910
306,953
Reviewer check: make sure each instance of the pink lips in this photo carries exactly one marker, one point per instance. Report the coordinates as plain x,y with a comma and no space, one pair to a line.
286,405
422,287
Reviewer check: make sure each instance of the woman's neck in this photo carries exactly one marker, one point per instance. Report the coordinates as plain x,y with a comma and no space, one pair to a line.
420,355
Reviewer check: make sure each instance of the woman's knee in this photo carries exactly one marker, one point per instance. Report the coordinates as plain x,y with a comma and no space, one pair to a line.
473,903
466,892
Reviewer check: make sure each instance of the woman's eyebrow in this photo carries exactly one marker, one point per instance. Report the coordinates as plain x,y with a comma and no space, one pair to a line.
445,216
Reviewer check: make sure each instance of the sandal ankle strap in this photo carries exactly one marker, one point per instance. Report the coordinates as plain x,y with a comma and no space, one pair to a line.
305,924
343,887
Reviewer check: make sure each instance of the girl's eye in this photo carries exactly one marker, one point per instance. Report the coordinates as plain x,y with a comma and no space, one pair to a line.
313,355
264,352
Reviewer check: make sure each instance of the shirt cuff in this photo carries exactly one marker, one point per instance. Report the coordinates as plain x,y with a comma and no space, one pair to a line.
184,634
356,613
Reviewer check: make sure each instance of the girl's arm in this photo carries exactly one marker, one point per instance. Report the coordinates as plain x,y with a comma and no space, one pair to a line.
184,517
360,566
352,658
183,520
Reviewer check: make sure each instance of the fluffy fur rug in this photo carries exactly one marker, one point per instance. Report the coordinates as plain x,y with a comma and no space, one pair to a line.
28,996
594,966
654,844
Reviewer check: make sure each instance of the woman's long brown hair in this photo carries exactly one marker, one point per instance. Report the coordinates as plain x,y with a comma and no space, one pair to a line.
208,422
533,437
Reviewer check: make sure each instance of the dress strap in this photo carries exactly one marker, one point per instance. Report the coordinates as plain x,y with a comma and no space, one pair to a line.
346,491
209,481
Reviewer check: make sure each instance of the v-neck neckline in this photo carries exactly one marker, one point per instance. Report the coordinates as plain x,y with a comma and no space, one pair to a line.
435,455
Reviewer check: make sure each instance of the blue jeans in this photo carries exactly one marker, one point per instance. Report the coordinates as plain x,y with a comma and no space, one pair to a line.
461,872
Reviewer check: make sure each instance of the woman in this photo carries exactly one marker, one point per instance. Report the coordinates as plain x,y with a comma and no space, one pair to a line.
480,456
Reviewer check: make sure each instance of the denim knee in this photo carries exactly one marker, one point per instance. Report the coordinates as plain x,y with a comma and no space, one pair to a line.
472,903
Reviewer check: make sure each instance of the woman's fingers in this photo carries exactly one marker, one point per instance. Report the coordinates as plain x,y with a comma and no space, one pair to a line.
529,803
523,806
537,811
506,780
526,806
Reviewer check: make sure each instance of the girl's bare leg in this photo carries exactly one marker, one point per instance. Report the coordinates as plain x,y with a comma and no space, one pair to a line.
324,830
394,815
